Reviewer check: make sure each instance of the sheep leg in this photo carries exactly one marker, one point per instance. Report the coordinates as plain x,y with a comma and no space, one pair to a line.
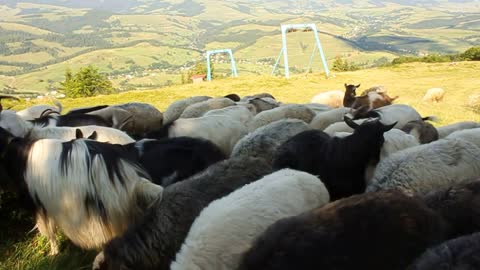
46,227
98,263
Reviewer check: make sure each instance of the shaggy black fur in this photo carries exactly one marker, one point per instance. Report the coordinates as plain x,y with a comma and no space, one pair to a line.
153,243
384,230
462,253
72,120
13,163
88,109
460,207
340,162
171,160
162,133
112,154
233,97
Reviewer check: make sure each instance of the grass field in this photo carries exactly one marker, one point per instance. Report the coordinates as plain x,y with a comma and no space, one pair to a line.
107,60
409,81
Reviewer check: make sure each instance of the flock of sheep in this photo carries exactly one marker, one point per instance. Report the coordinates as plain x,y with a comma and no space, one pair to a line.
250,183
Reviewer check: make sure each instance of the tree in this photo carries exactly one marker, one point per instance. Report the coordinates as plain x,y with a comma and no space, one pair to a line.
472,54
87,82
198,69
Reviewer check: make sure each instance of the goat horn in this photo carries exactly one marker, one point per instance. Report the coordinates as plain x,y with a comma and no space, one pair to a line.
9,97
6,97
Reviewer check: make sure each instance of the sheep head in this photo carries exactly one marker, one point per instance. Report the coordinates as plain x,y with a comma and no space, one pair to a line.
368,137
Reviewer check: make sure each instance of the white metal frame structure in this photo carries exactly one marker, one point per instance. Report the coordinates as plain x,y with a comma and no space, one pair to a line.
232,60
288,27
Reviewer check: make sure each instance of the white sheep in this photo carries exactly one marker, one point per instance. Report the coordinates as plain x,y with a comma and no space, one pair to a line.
284,112
341,127
325,119
242,113
36,111
14,124
432,166
318,108
332,98
264,141
228,226
444,131
400,113
200,108
223,131
261,104
176,109
434,95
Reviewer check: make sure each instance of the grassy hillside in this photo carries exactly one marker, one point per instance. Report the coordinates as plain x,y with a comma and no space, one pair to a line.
39,37
410,81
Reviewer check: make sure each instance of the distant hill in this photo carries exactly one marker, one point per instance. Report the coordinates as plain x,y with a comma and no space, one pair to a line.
43,35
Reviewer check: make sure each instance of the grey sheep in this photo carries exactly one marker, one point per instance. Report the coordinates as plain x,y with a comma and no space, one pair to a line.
264,141
176,109
284,112
200,108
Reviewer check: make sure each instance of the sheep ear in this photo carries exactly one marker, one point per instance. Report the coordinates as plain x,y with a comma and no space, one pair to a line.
147,193
93,136
78,134
357,86
389,127
346,85
350,122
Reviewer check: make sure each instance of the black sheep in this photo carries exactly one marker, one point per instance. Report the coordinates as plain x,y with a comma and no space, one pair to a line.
153,243
461,253
383,230
339,162
459,205
171,160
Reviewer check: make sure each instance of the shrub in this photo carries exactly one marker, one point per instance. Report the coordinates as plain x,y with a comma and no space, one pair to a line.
87,82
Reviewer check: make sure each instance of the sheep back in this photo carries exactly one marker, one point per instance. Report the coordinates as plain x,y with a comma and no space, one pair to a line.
428,167
200,108
227,227
176,109
264,141
459,253
289,111
325,119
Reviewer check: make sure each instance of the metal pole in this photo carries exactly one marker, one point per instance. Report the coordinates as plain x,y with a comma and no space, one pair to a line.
276,63
209,71
324,60
285,52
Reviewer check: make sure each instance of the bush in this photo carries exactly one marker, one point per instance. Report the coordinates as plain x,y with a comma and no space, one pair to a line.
343,65
472,54
87,82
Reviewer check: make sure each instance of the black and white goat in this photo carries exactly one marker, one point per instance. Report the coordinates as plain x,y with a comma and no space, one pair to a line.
339,162
90,190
